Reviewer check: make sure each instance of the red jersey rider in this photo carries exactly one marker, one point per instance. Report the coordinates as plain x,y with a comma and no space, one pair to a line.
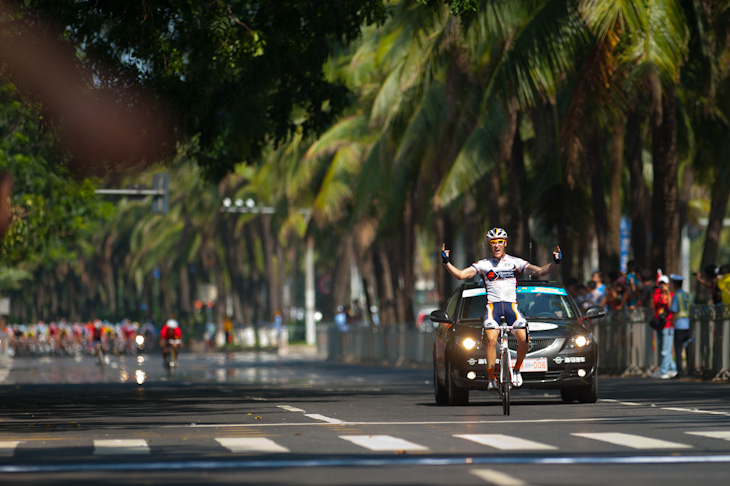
170,336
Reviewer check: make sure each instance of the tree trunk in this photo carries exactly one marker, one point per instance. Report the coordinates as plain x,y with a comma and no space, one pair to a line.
718,209
517,176
638,201
341,281
665,216
685,193
108,270
616,161
383,271
270,268
607,261
407,282
254,293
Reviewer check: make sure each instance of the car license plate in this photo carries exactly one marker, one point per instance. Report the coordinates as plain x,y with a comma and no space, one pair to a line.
533,364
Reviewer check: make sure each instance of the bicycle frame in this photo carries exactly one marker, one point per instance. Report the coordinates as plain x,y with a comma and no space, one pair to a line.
503,365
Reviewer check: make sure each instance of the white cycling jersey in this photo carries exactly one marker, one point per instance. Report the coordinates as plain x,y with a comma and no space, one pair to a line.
501,277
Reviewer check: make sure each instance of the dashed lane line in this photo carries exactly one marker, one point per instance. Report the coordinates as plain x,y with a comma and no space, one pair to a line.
328,420
289,408
669,409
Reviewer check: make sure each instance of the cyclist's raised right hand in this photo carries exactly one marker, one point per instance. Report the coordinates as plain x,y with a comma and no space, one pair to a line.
444,254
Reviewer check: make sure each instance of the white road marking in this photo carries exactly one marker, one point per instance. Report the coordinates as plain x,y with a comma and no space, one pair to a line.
505,442
430,422
289,408
696,410
383,443
611,400
634,441
721,434
497,478
671,409
329,420
250,444
7,448
115,447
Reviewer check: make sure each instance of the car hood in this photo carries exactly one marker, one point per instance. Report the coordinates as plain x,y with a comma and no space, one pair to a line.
538,327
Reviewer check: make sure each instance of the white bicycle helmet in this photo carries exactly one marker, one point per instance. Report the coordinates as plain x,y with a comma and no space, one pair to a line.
496,233
171,323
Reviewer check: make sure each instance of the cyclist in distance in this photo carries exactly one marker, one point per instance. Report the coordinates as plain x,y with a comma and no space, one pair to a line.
499,274
170,337
97,334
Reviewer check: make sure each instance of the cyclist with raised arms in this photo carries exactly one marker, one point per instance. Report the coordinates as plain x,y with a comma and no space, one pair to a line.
499,274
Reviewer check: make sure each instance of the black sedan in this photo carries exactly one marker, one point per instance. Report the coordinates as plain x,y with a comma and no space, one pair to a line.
562,350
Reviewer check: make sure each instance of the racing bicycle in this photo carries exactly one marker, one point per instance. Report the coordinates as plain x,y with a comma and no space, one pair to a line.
101,355
171,355
503,365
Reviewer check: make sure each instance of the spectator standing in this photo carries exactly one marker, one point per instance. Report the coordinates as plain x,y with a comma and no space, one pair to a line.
723,283
633,284
228,329
681,303
709,280
278,326
600,290
355,314
341,320
648,287
662,301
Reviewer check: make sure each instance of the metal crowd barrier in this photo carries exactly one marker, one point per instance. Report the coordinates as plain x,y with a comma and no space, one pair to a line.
628,346
395,345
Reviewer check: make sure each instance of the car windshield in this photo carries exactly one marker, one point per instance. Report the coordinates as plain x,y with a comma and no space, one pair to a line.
535,302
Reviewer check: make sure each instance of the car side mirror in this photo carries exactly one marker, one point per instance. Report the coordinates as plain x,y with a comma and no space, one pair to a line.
439,316
595,311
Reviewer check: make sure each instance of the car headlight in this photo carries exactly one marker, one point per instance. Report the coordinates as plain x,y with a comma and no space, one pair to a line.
468,343
579,341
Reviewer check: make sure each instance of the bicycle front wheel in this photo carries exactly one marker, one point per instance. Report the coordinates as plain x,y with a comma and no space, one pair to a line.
506,382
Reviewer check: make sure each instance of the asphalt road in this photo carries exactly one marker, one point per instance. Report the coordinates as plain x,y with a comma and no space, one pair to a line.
296,420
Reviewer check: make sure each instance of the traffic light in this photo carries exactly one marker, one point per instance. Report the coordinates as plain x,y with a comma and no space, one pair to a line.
161,198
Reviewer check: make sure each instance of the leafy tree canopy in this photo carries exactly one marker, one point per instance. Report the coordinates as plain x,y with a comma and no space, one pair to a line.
51,211
238,73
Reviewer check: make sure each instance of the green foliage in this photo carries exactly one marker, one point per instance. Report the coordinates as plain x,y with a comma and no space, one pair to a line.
51,210
458,7
237,72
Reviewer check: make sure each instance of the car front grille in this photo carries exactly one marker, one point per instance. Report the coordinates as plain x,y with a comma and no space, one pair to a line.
535,344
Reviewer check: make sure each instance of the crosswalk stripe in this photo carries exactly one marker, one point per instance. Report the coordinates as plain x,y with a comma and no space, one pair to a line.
634,441
7,448
383,443
250,444
721,434
505,442
497,478
116,447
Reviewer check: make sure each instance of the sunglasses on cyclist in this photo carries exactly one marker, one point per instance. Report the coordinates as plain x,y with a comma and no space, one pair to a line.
500,241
